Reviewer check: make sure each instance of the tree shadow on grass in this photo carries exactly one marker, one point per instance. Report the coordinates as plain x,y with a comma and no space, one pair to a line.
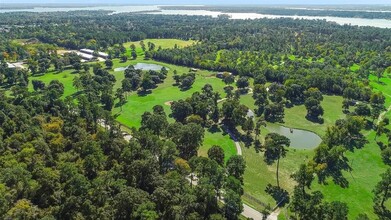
315,120
143,93
280,195
75,72
214,129
184,89
117,105
380,83
76,94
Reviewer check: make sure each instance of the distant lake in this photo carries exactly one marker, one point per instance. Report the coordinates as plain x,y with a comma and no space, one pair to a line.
381,23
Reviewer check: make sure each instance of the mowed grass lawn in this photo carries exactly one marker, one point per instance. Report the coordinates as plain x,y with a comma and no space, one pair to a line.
383,85
136,105
367,166
258,174
366,162
65,77
163,43
218,137
295,116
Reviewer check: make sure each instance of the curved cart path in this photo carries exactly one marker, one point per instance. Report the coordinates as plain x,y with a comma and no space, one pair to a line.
248,211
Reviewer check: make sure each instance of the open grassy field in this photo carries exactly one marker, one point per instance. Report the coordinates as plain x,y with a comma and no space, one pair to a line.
258,174
65,77
163,43
295,116
218,137
366,163
332,105
367,166
165,92
383,86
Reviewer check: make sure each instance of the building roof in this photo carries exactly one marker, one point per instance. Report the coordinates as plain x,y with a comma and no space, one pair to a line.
85,56
103,54
250,113
10,65
222,73
87,51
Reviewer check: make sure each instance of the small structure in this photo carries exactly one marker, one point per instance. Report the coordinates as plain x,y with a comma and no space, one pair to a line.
87,51
222,74
103,55
17,65
11,66
85,56
92,52
250,114
194,70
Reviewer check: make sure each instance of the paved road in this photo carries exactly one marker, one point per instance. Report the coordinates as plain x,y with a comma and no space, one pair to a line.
249,212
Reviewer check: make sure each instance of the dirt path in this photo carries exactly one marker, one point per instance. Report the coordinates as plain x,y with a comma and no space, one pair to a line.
381,116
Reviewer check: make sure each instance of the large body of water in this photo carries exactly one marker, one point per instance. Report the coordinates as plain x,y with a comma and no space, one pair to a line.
154,9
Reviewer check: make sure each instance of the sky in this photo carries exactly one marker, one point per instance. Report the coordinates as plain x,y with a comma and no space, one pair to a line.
206,2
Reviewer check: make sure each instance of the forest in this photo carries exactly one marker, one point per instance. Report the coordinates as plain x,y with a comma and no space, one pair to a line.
63,154
320,11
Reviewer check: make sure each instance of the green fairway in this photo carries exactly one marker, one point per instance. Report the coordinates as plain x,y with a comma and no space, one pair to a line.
383,85
136,105
65,77
220,138
295,116
367,166
258,174
163,43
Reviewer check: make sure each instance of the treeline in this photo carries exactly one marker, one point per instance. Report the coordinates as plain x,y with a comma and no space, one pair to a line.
99,31
345,13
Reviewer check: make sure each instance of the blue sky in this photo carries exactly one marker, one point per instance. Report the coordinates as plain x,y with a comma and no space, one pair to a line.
314,2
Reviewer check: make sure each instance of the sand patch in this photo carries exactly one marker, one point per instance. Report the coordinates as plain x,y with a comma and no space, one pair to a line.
168,103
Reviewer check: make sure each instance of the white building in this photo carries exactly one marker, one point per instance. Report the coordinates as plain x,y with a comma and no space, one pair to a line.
103,55
85,56
11,66
100,54
88,51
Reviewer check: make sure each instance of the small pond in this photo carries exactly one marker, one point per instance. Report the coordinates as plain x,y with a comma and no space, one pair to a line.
142,66
300,139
